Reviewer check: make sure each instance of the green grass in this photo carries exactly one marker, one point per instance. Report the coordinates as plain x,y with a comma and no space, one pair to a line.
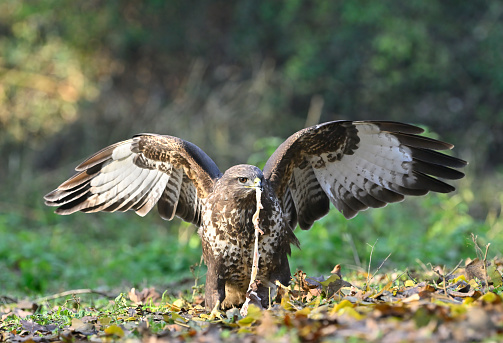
51,253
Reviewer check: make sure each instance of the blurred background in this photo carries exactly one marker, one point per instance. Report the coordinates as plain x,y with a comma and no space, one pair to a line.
236,78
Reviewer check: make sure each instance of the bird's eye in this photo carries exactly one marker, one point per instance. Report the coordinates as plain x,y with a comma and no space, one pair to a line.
243,179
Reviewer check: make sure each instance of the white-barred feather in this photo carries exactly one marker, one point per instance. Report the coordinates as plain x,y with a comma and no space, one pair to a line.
140,185
122,151
379,139
154,194
112,174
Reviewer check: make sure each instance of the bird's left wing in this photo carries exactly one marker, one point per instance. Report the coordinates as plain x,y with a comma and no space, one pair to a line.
356,165
138,173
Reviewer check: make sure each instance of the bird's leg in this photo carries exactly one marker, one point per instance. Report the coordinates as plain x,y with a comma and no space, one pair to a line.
282,274
215,285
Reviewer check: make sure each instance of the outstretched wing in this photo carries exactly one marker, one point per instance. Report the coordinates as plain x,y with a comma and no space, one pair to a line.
356,165
138,173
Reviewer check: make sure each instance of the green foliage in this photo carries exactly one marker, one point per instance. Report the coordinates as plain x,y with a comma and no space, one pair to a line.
434,229
45,255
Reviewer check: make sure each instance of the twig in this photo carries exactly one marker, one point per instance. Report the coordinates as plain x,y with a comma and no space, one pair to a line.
486,274
6,299
370,262
479,255
73,292
445,288
422,265
487,250
455,268
478,251
399,276
443,280
196,277
383,262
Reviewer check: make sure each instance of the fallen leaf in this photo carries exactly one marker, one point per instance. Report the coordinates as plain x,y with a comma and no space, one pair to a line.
475,269
337,270
409,283
114,330
147,294
341,305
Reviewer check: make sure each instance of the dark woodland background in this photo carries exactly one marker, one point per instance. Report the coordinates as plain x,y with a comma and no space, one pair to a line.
235,78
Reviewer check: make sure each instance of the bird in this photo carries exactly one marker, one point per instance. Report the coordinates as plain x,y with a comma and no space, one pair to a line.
354,165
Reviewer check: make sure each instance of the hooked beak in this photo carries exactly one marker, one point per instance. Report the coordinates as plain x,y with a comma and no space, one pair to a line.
257,184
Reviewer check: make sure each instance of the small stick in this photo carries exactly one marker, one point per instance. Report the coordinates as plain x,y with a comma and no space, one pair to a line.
383,262
486,274
370,262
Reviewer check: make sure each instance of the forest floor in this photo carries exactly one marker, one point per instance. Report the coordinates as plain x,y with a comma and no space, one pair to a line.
463,304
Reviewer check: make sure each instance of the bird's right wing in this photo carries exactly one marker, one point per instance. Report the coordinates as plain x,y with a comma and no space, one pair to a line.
138,173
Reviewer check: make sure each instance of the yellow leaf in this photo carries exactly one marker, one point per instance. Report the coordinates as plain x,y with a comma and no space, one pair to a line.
343,304
178,303
304,312
350,312
177,318
473,283
490,297
457,310
114,330
459,278
253,314
243,331
315,303
468,301
173,308
244,322
285,303
409,283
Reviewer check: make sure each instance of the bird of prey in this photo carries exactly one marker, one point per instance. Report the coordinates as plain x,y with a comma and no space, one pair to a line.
352,164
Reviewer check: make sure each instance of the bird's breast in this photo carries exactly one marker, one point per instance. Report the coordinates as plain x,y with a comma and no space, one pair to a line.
227,229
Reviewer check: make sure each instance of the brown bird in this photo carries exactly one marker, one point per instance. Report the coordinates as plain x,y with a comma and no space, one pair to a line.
352,164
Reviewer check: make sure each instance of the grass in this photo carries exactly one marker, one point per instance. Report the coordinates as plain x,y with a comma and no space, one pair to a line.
54,253
391,304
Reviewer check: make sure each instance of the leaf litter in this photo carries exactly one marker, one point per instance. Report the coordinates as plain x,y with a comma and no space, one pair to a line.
461,305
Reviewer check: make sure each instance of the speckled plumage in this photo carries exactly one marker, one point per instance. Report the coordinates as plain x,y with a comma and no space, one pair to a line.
227,234
353,165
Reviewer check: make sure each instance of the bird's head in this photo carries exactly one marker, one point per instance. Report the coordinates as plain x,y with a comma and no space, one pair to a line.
241,181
